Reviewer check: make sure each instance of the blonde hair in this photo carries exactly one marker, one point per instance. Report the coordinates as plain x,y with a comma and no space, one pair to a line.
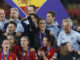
63,49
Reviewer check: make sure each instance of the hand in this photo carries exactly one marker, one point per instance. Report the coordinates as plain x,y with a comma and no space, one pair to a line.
5,34
40,53
51,33
32,49
43,53
18,34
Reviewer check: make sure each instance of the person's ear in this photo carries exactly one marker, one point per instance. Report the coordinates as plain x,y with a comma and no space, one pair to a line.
1,45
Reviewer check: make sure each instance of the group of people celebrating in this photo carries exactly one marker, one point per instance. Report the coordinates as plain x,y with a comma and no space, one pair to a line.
34,38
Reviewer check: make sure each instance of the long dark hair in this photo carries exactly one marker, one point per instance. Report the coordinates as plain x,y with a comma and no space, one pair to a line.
51,39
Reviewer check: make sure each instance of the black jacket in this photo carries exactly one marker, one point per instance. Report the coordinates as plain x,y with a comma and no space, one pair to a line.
36,42
70,56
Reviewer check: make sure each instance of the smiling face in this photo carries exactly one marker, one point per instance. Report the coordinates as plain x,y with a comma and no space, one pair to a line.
49,18
2,15
69,47
42,24
45,42
24,42
6,45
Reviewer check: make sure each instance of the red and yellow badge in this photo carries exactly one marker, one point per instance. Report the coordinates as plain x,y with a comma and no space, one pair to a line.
49,53
10,58
25,3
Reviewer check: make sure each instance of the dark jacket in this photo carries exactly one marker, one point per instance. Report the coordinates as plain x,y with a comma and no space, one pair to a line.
36,42
70,56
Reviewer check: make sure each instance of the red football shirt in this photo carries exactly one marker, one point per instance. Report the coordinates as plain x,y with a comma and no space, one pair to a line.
32,55
11,56
50,54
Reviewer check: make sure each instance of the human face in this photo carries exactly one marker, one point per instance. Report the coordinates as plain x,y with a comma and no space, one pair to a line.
45,42
2,15
34,19
6,45
78,28
11,28
67,27
11,40
42,24
50,18
69,47
24,43
14,14
30,10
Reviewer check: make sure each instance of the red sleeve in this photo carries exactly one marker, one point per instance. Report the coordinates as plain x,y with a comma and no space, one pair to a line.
34,55
12,56
0,56
15,57
52,54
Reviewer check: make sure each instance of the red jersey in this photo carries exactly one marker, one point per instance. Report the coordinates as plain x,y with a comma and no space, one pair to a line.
31,55
15,49
50,53
11,56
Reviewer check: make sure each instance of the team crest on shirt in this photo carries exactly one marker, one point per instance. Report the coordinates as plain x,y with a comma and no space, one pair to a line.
49,53
11,58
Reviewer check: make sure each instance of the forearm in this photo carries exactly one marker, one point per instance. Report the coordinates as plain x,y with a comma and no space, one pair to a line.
45,58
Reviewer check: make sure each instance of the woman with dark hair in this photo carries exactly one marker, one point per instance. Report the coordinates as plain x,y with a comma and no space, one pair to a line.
67,53
35,20
38,37
13,47
33,27
47,52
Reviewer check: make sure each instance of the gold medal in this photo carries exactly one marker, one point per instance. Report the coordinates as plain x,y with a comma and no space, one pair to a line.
24,53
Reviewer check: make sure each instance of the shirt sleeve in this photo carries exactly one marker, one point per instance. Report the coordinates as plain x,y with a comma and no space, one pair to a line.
59,40
15,57
78,37
34,56
52,54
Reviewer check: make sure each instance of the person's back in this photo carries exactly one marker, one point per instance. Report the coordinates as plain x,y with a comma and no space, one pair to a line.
67,57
